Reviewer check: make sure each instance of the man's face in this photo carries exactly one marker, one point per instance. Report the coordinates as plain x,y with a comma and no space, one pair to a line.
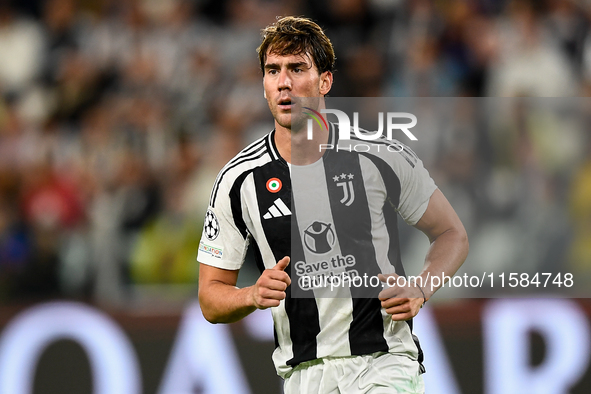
290,76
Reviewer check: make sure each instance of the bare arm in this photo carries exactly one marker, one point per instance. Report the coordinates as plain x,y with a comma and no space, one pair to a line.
448,250
449,241
222,302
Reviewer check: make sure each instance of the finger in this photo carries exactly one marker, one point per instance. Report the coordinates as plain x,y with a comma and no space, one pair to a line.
282,264
391,302
387,293
264,303
391,292
384,278
278,275
287,280
274,284
399,309
402,316
270,294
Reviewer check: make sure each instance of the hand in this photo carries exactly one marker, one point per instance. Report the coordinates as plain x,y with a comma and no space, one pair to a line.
271,285
402,303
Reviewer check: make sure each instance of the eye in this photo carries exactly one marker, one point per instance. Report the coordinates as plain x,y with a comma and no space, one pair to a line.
271,71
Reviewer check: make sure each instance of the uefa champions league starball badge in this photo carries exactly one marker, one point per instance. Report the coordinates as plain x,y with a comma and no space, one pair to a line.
211,225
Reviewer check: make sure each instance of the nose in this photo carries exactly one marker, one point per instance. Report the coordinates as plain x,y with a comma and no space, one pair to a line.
284,80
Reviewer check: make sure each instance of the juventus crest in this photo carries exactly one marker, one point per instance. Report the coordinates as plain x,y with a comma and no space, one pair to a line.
345,181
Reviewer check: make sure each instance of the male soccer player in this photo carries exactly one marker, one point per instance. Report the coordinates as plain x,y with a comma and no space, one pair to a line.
291,200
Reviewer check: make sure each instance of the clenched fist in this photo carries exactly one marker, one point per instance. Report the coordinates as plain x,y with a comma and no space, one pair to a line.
271,285
401,302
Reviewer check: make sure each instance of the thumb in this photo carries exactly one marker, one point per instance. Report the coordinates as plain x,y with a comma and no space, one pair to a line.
282,264
384,278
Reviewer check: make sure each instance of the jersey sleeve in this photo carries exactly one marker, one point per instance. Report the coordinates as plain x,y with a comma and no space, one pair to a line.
223,244
416,186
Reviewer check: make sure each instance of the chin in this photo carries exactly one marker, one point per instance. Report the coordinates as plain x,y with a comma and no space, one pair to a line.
286,125
284,121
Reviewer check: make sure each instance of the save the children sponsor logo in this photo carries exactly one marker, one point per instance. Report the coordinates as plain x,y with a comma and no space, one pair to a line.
319,237
320,274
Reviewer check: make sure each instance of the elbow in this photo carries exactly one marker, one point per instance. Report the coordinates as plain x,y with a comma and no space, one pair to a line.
209,317
208,313
463,241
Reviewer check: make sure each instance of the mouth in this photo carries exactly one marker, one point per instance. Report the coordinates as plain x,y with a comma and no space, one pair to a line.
285,104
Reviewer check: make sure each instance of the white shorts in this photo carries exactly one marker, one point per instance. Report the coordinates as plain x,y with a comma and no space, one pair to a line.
379,373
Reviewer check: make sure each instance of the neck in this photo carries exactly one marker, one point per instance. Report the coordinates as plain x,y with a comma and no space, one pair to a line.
296,148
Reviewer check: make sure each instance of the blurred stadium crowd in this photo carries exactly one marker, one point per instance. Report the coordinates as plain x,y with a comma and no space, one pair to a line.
115,117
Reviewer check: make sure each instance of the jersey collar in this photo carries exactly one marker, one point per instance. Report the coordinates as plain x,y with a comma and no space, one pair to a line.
332,139
274,152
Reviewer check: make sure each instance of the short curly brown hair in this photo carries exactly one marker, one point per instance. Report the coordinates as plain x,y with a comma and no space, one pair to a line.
294,36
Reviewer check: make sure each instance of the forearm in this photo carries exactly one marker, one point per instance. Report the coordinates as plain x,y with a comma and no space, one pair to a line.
445,256
223,303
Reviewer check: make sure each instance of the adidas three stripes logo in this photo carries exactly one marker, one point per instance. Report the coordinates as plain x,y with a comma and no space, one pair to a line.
276,210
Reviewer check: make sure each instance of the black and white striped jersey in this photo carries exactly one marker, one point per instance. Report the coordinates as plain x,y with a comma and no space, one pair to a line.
338,214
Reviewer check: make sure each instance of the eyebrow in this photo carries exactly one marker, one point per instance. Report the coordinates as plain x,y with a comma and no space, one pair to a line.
275,66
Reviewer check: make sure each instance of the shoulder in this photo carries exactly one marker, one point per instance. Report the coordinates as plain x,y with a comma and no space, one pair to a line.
255,155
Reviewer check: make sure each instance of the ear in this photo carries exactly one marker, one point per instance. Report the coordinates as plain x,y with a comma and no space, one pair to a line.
264,91
325,82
